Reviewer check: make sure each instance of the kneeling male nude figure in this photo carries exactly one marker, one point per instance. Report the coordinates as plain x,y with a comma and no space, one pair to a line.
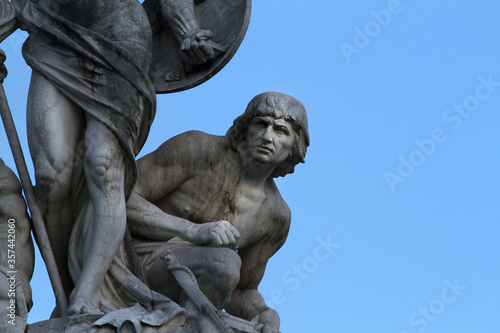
213,202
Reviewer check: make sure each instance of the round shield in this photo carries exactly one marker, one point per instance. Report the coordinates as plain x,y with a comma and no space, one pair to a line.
170,72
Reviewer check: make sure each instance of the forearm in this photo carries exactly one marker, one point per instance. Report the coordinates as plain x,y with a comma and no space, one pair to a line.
8,20
180,16
246,304
145,220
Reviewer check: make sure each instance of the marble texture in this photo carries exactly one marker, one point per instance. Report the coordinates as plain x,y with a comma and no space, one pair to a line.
168,242
16,254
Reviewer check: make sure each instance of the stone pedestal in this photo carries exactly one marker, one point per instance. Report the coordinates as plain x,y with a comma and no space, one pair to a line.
66,324
81,324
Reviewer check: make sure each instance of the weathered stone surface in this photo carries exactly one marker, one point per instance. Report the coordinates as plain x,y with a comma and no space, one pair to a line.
80,323
202,197
90,106
204,213
171,70
16,254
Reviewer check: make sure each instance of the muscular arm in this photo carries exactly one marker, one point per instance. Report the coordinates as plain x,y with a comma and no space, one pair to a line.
180,16
161,172
8,21
13,212
246,300
148,221
145,220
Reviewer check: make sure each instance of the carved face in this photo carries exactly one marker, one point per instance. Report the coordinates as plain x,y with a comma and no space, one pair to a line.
270,140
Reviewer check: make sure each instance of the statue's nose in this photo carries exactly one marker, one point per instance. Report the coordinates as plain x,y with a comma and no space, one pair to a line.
267,135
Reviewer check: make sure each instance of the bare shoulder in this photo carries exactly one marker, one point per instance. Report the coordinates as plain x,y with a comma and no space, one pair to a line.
177,160
8,180
191,143
12,203
186,147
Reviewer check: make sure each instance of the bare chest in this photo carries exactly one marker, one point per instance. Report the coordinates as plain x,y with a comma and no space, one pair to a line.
248,216
243,207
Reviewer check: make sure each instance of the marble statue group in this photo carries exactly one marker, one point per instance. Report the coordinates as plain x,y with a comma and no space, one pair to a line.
178,240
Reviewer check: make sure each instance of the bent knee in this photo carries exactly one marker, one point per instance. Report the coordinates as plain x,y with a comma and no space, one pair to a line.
226,266
102,166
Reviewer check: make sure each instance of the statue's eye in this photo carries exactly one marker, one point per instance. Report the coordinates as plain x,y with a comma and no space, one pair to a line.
260,122
282,130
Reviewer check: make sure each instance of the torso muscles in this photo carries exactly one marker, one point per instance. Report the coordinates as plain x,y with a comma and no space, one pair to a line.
220,195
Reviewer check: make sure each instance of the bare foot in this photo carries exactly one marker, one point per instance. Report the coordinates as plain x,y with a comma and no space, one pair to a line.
79,306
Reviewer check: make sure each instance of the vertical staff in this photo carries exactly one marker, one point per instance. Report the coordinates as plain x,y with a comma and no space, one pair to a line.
38,225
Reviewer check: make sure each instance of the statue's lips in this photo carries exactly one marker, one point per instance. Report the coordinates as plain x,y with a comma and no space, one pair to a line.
265,149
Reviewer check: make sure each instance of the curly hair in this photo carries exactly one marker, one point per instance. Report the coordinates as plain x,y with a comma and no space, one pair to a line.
277,105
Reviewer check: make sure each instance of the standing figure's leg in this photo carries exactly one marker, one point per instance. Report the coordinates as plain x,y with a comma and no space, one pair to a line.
104,168
55,127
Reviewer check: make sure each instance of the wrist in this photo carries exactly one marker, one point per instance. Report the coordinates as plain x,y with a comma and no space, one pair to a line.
189,232
180,17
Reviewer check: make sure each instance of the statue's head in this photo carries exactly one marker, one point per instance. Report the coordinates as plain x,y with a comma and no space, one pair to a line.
278,106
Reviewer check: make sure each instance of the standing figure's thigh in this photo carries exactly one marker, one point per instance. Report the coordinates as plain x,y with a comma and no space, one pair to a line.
55,126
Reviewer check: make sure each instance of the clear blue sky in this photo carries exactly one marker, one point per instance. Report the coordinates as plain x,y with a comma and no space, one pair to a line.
396,211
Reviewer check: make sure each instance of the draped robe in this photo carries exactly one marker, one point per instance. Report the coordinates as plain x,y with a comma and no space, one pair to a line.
97,53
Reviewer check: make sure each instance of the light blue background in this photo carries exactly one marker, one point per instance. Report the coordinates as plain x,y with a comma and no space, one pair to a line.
397,248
